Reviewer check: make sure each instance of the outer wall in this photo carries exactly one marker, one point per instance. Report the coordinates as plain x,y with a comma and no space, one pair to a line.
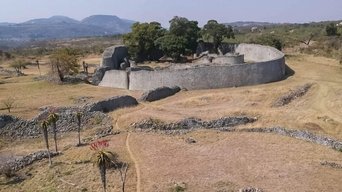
269,66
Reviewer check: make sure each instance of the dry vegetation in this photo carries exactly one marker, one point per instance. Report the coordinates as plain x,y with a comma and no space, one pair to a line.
217,161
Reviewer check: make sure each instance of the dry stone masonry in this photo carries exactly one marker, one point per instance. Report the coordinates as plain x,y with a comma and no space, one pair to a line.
264,64
93,116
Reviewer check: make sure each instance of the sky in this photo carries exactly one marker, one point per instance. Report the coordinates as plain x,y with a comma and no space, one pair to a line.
283,11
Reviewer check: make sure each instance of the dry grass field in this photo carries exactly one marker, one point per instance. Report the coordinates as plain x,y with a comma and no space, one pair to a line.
218,161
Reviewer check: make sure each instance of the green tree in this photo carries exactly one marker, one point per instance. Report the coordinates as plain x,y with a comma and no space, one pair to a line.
64,62
331,29
189,30
52,119
140,41
44,126
172,46
215,33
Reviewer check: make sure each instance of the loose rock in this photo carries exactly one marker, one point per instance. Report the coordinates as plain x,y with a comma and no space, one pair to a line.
159,93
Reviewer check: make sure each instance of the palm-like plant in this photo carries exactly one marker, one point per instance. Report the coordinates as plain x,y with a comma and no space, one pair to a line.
44,126
79,122
52,119
102,159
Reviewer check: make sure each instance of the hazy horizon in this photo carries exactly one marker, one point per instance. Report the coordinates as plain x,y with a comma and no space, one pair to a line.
291,11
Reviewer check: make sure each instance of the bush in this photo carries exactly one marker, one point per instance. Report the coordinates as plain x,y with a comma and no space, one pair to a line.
331,29
18,65
65,62
269,40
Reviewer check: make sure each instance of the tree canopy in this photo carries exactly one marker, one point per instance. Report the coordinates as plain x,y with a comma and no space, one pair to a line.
215,32
172,46
140,41
180,39
147,40
189,30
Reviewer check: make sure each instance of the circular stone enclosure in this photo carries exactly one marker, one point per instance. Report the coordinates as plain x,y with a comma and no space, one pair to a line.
265,64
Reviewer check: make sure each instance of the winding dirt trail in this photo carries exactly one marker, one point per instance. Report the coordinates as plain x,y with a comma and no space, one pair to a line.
136,165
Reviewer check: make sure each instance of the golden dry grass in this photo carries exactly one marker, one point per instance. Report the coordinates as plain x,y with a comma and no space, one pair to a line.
270,162
218,161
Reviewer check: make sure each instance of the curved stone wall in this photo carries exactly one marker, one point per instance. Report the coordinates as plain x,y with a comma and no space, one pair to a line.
268,66
229,59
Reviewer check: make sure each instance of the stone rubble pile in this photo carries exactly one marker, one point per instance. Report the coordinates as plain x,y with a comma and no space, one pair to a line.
21,162
92,116
292,95
193,123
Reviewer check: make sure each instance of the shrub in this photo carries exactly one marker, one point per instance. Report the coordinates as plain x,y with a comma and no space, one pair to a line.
331,29
269,40
65,62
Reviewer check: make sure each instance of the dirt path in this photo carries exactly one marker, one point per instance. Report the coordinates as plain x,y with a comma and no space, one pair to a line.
136,165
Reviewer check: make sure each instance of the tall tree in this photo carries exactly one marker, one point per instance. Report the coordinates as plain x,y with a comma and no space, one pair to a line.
140,41
189,30
215,33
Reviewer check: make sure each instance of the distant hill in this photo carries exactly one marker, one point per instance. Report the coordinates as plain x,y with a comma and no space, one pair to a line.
59,27
249,24
112,23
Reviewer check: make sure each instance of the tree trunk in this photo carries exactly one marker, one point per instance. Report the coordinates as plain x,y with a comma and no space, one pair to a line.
45,132
55,135
60,74
79,133
102,168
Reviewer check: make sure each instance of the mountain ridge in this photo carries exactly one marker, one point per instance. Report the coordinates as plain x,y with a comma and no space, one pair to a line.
59,27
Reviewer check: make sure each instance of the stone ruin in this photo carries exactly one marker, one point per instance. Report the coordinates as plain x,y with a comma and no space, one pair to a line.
234,65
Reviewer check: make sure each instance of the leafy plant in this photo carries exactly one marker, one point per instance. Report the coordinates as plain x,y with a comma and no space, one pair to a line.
331,29
215,33
102,158
140,41
65,61
18,65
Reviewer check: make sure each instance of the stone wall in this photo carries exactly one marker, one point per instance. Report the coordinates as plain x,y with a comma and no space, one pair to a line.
229,59
115,78
268,66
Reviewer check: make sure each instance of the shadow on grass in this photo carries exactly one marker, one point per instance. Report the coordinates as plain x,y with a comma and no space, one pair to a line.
288,72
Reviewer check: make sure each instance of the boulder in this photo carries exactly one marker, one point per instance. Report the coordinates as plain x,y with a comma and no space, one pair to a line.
113,56
159,93
79,78
112,103
98,75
